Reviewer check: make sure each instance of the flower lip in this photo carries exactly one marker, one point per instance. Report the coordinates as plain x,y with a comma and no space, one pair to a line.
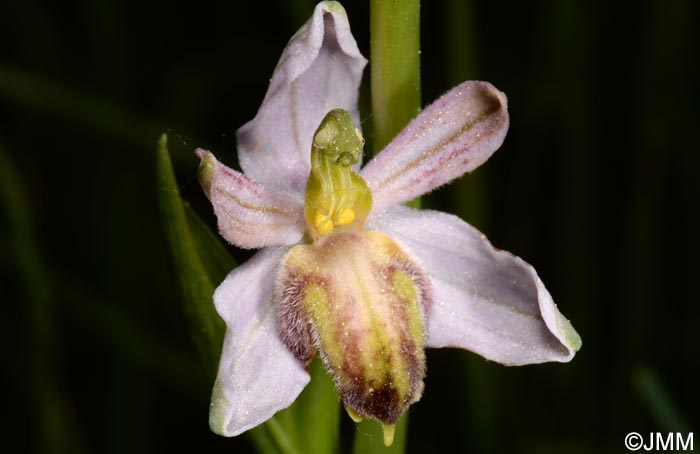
361,300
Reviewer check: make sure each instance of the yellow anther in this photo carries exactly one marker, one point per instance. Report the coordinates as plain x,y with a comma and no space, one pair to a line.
323,224
335,195
345,216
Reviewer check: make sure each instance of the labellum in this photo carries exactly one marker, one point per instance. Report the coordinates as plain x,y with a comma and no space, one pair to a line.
355,296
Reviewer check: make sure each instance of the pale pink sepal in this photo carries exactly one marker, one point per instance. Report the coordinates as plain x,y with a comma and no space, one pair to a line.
319,70
454,135
249,214
485,300
258,375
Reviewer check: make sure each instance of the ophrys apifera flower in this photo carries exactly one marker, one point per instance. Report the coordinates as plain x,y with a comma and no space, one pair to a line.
344,269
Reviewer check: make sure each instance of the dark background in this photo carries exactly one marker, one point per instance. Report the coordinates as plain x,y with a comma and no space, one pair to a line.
596,185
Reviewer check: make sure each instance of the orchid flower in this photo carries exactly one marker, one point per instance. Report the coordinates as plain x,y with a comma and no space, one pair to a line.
344,269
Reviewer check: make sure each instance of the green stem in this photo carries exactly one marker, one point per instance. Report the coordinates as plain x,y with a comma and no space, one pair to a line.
395,79
280,436
395,66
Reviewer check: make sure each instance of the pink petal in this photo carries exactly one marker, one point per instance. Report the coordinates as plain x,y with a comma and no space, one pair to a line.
319,70
249,215
454,135
485,300
257,376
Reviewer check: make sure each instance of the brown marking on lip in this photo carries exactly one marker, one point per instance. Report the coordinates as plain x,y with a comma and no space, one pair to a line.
381,391
382,400
293,323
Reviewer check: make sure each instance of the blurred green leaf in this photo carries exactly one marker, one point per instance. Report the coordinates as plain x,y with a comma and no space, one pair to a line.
55,428
42,94
658,400
126,334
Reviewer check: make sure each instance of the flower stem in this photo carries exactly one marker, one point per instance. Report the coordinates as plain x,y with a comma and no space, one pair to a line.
395,66
396,99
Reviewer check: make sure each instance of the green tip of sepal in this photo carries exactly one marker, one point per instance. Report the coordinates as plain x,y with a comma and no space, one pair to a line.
217,415
389,430
334,6
163,141
571,337
354,416
207,167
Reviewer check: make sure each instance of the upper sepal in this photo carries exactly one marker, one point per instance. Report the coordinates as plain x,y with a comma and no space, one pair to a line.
319,70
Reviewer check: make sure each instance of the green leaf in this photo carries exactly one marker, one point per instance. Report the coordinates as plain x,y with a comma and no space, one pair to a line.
201,260
215,258
127,335
396,99
196,285
54,430
45,95
656,397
